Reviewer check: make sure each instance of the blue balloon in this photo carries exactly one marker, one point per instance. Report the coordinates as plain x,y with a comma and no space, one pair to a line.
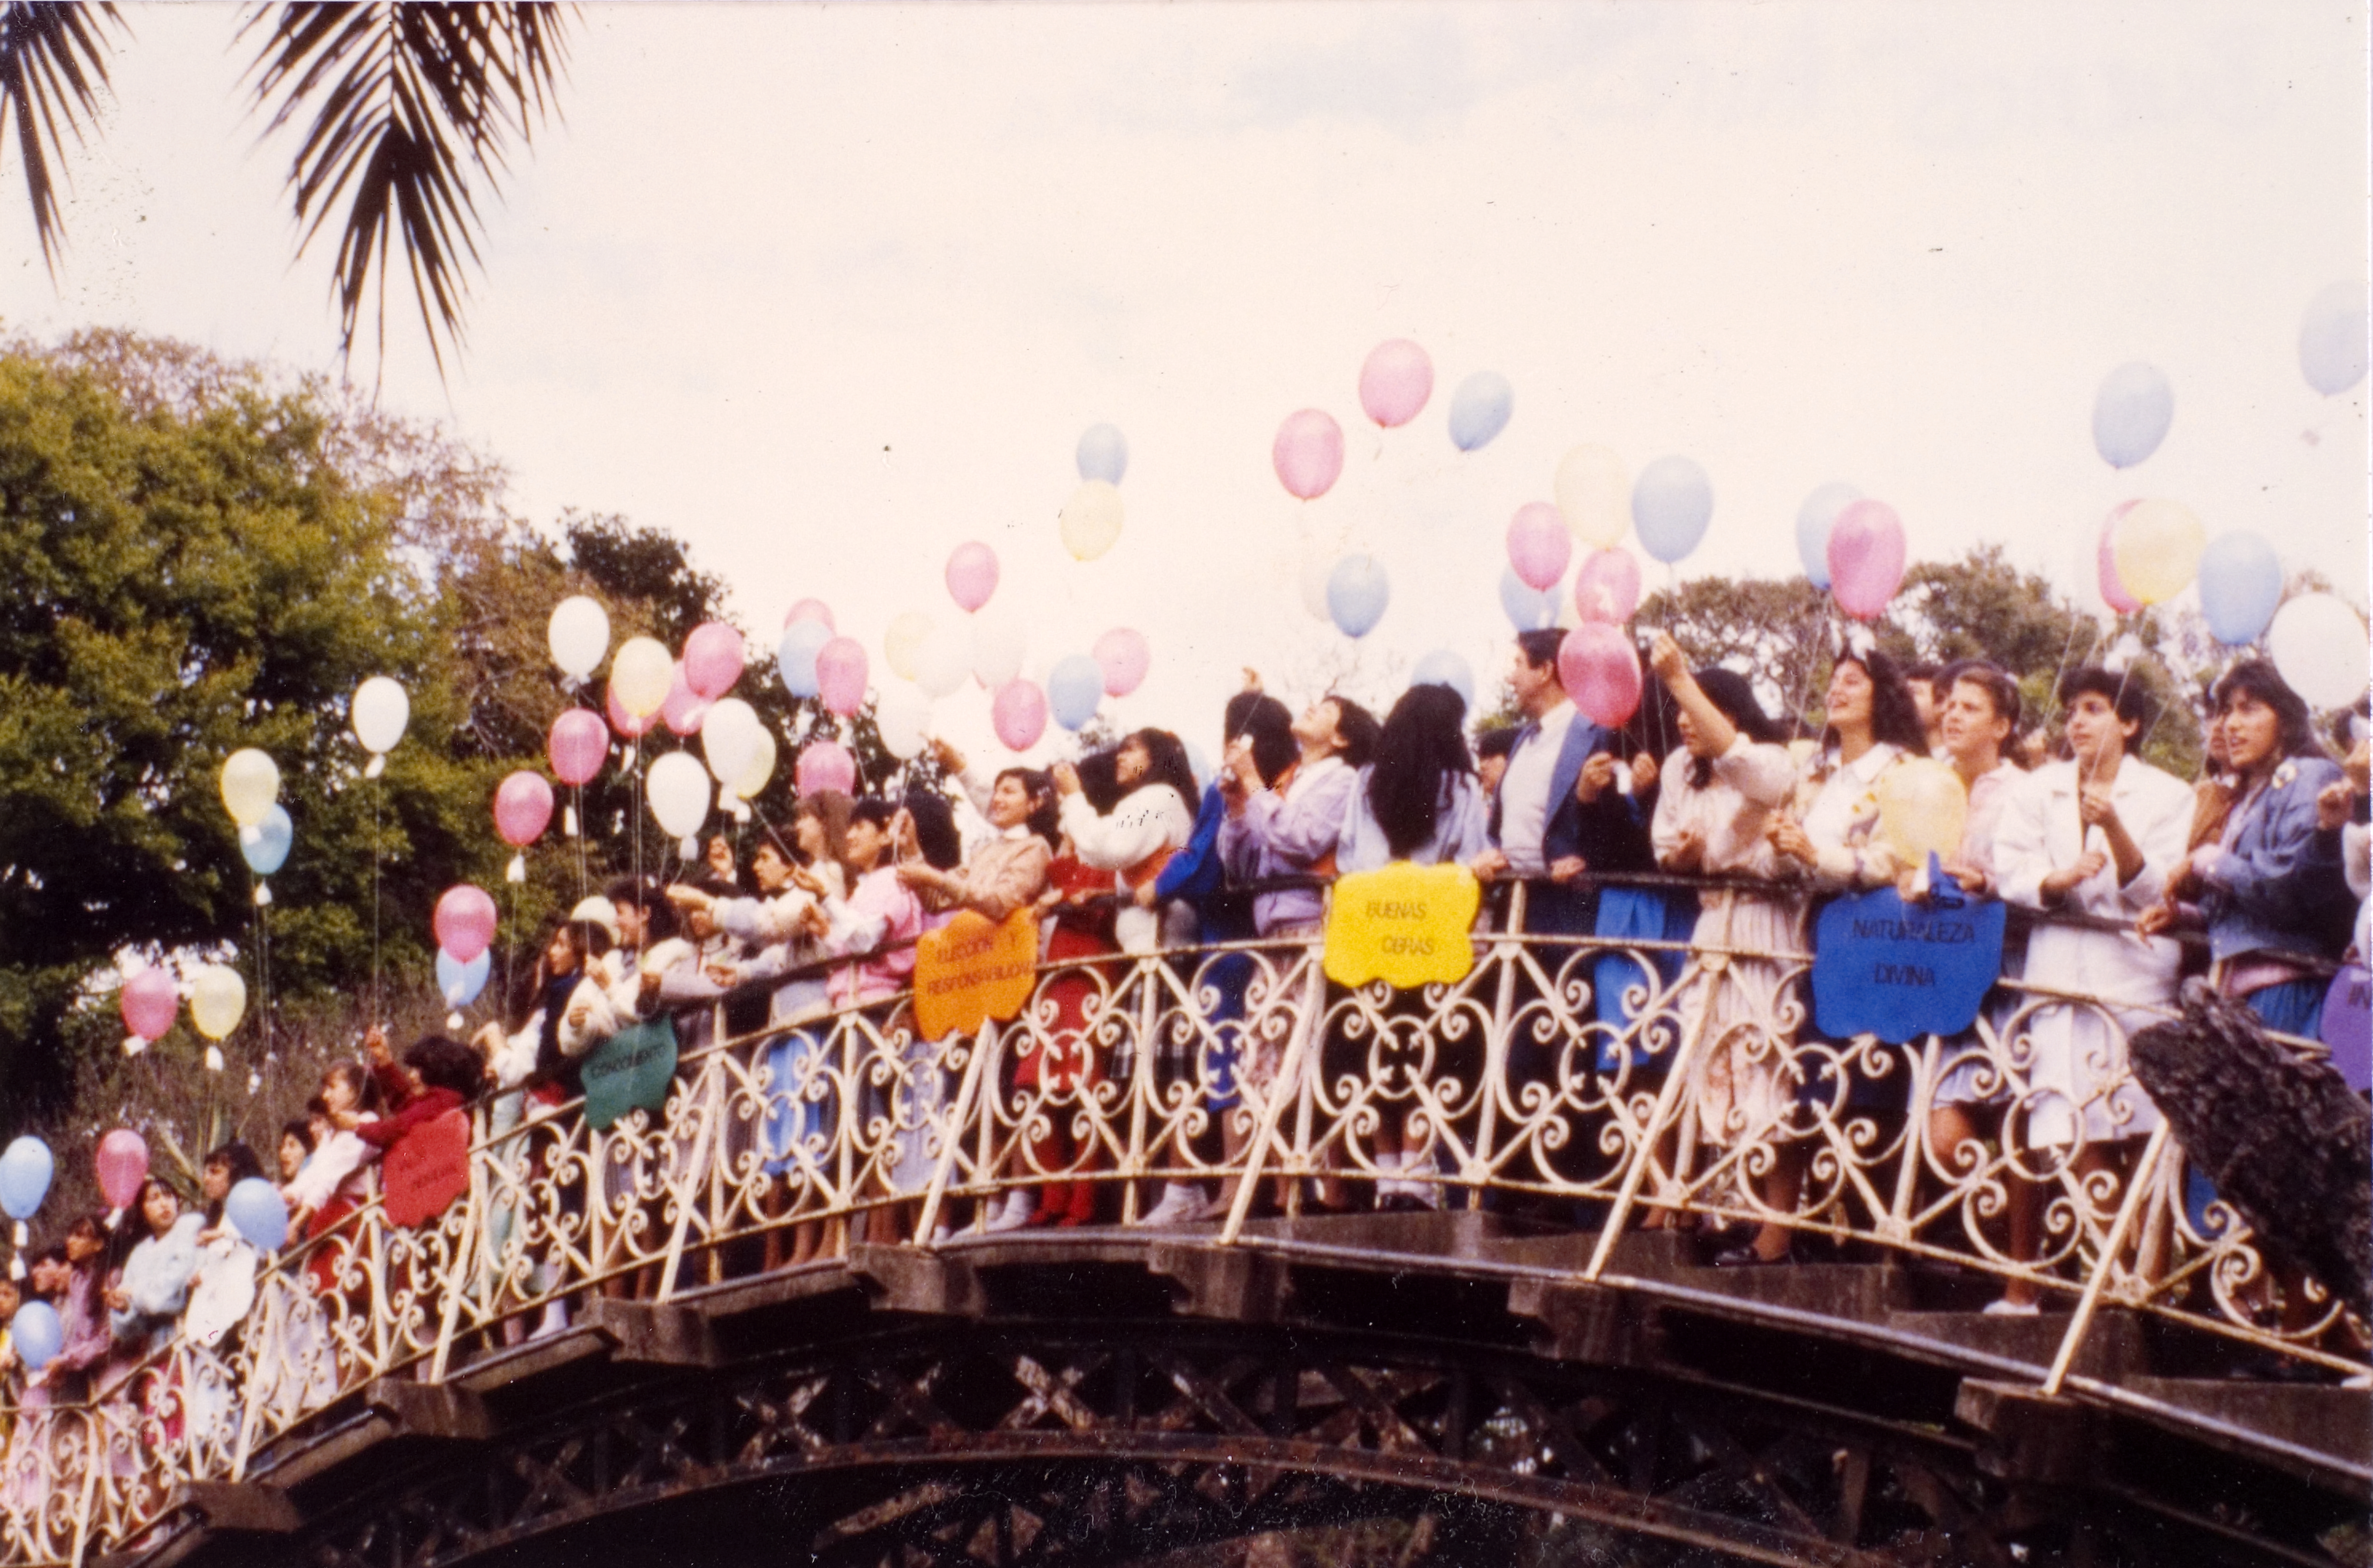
1103,454
257,1212
37,1334
1075,686
25,1172
1357,593
267,843
2333,339
1443,668
2240,586
1814,521
1672,501
795,655
1530,609
2131,413
1479,409
462,982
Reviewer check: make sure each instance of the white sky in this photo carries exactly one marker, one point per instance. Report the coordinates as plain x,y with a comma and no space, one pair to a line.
826,291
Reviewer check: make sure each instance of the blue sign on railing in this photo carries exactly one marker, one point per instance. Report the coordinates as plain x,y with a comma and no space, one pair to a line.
1899,970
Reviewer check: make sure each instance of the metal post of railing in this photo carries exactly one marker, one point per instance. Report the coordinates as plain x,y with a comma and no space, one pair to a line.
1135,1158
1505,951
718,1207
1285,1084
456,1276
96,1426
1895,1226
693,1178
983,1054
2137,1184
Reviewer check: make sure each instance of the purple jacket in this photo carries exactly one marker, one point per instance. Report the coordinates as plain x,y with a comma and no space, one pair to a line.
1289,832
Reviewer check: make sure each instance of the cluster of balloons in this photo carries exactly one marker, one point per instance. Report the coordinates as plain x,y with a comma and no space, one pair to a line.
1395,382
1090,520
26,1168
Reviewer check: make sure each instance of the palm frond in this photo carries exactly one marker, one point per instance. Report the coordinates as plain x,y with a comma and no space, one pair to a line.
53,70
409,104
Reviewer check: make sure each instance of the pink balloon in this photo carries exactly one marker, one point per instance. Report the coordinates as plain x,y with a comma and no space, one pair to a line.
1607,586
840,675
123,1161
972,575
2113,587
522,809
629,726
824,765
1018,711
811,610
1600,671
1308,453
1538,544
578,744
1395,382
1865,557
712,660
1124,657
683,709
464,922
149,1004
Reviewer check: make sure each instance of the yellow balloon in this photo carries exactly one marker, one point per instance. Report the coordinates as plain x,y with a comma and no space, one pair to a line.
217,1001
1090,520
762,766
2158,546
903,641
1594,496
1921,807
641,674
251,782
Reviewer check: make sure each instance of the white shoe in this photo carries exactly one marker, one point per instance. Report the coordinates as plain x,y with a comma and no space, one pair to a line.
555,1318
2009,1308
1180,1205
1020,1204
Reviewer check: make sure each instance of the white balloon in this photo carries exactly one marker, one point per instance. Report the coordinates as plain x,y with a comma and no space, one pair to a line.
580,634
678,788
2319,644
903,717
762,766
943,661
381,711
728,736
1000,639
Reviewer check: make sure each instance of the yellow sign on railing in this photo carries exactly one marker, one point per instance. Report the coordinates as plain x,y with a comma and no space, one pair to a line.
970,971
1405,925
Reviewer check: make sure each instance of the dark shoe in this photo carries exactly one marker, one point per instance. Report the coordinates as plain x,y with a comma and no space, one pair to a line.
1747,1258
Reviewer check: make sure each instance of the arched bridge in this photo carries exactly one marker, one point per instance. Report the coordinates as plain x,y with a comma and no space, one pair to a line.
1533,1362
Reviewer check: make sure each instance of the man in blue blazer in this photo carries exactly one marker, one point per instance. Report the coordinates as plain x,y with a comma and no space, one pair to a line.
1543,828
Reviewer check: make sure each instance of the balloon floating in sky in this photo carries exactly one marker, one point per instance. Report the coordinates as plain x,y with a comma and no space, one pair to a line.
2331,345
577,745
730,739
578,635
679,792
824,765
999,641
795,655
1672,502
641,674
1528,608
465,921
2240,584
1538,544
2132,413
712,660
903,641
1103,454
627,724
903,716
683,709
522,808
1608,587
2317,644
2156,545
266,846
25,1171
121,1162
251,782
1443,668
217,1000
1593,492
1395,382
1090,520
1123,656
2105,563
1357,593
972,574
459,982
148,1003
810,610
1814,518
1867,553
840,675
1075,688
1601,672
760,768
943,661
1019,713
1308,453
1479,410
381,711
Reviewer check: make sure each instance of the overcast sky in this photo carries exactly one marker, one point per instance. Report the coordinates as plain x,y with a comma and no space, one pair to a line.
826,291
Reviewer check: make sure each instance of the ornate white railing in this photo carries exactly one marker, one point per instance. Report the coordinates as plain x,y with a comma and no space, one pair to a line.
1240,1068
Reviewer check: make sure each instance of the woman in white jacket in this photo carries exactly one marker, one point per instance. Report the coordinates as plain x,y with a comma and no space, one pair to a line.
1152,821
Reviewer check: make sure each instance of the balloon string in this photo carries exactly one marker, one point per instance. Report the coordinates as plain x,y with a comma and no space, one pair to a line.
377,792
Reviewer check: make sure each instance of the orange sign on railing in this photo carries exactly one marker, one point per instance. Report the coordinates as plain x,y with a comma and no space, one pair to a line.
970,971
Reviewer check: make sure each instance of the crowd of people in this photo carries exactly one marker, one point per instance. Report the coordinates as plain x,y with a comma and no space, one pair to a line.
1707,824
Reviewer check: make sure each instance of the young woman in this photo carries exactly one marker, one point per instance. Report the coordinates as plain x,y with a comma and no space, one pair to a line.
1134,840
2098,833
144,1305
875,927
1010,870
295,1148
1720,792
335,1181
561,1012
1872,725
437,1076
